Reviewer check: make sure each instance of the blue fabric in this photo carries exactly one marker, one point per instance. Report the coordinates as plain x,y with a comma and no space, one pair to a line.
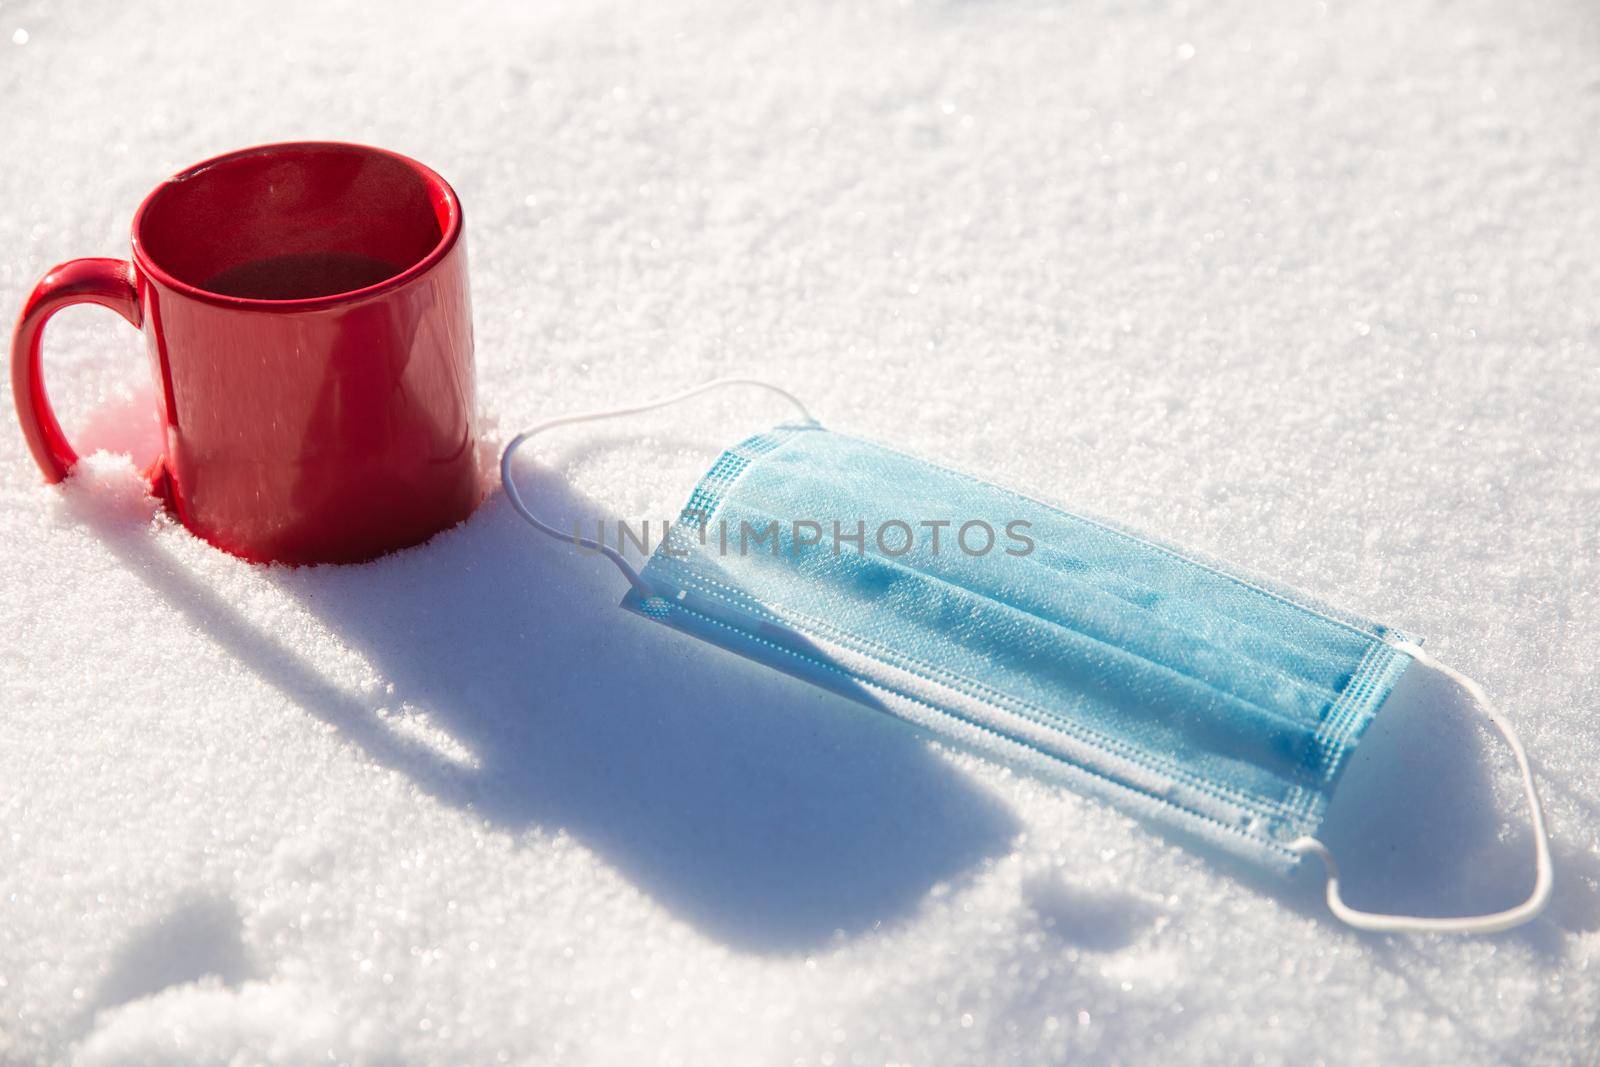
1189,693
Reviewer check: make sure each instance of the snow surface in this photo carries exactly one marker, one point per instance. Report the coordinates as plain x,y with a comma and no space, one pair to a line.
1313,286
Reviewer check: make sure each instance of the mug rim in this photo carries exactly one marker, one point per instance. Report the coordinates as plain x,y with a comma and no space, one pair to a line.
447,240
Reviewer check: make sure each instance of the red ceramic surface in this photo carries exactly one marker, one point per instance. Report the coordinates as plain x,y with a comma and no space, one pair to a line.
306,311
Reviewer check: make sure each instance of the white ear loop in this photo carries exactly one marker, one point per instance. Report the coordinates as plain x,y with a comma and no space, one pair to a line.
1467,924
611,413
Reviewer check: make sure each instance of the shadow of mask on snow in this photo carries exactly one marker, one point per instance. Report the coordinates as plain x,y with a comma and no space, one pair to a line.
1429,817
1575,895
763,811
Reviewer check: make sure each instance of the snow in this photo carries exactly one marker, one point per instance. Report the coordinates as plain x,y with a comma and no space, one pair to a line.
1309,286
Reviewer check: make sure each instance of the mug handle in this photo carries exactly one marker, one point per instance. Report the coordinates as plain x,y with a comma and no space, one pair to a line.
107,282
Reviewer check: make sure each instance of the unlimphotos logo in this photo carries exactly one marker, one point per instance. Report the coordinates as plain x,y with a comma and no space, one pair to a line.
888,537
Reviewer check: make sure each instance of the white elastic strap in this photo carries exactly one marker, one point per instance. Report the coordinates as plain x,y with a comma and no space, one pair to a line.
1466,924
611,413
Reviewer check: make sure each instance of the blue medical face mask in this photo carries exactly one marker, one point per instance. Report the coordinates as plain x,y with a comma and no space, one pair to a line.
1171,684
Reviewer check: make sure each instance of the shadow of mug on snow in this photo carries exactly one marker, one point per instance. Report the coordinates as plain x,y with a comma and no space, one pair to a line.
762,811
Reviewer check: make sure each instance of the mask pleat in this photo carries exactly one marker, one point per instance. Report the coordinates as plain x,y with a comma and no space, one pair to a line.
1060,671
1060,602
1094,559
1186,604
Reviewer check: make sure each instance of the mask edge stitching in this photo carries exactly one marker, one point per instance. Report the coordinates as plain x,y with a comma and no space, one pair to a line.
714,484
1356,715
1329,732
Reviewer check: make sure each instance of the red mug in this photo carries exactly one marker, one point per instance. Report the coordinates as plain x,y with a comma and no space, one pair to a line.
309,329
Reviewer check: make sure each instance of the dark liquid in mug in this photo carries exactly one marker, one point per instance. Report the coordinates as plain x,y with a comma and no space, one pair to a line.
301,275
